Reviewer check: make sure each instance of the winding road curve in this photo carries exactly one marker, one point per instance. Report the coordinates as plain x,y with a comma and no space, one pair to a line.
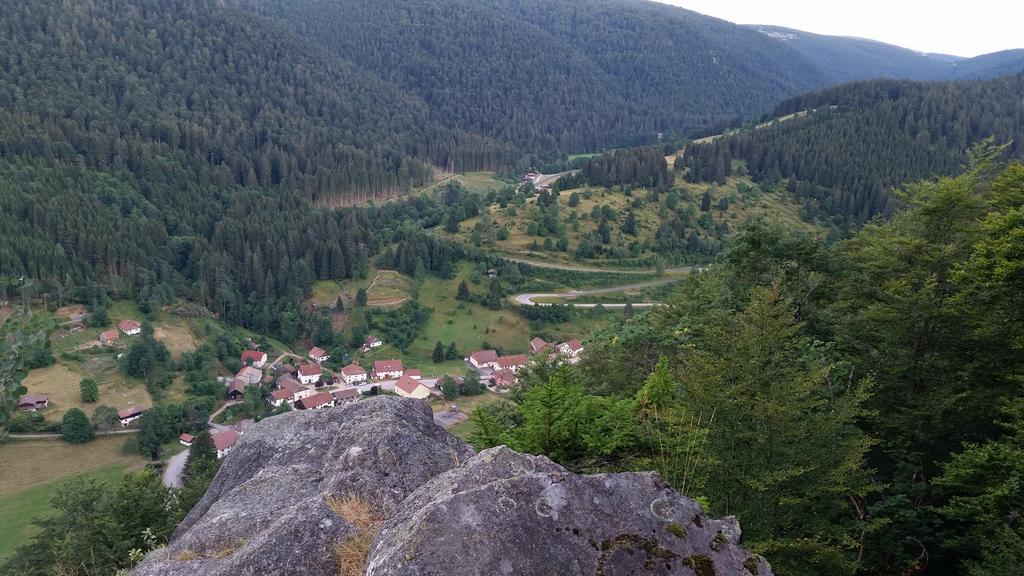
529,299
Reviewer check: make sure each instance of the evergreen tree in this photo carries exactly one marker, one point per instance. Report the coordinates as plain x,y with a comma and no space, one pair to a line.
361,297
89,390
438,355
463,291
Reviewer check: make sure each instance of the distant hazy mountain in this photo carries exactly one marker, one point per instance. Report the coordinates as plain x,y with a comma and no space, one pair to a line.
842,58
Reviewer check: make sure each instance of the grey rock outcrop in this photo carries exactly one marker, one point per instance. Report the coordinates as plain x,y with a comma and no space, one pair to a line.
446,510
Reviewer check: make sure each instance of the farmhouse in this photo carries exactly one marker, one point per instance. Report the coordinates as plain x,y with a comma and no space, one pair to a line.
345,396
571,350
406,387
538,346
224,441
254,358
130,327
288,391
319,355
414,373
236,388
512,363
186,439
387,369
33,402
249,375
353,374
484,359
310,373
108,337
373,342
503,378
318,400
129,415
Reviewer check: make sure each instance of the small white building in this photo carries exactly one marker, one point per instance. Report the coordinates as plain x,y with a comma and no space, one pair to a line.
319,355
571,349
250,375
373,342
254,358
186,439
310,373
130,414
224,441
484,359
353,374
130,327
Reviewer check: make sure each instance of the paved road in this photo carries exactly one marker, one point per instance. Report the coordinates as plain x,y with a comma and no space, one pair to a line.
174,469
528,299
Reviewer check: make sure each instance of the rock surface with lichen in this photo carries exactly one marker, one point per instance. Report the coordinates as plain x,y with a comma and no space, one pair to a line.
445,510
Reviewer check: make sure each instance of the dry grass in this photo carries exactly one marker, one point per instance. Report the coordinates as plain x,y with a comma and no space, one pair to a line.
177,338
350,554
28,463
60,381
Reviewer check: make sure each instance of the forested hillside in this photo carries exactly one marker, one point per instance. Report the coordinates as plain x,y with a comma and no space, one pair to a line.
861,139
565,76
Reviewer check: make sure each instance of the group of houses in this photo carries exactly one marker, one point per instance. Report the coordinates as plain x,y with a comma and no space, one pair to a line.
223,440
501,371
128,327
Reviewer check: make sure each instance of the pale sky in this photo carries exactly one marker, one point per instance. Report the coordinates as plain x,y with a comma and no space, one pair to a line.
962,28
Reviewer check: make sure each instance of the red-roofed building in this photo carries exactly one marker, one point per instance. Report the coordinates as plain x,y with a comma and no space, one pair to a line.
538,346
319,355
130,327
503,378
289,391
310,373
224,441
109,337
345,396
186,439
254,358
130,414
33,402
571,350
373,342
410,388
236,388
513,362
383,369
414,373
318,400
484,359
353,374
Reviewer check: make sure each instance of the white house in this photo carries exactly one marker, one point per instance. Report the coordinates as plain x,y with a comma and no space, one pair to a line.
249,375
406,387
130,327
571,349
387,369
484,359
289,391
186,439
318,355
373,342
512,363
129,415
538,345
414,373
318,400
224,441
254,358
353,374
310,373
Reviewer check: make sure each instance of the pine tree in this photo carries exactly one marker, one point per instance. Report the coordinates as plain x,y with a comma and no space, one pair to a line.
463,291
438,355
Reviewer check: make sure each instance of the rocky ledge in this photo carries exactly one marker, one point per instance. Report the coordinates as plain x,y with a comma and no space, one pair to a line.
271,510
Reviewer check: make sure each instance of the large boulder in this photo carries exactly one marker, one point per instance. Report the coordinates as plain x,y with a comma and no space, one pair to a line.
445,510
505,513
266,511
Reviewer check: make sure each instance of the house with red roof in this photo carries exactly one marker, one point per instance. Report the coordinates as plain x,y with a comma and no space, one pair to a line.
539,346
512,363
254,358
484,359
186,439
345,396
130,327
236,388
33,402
353,374
109,337
571,350
318,400
372,342
224,441
289,391
319,355
310,373
387,369
503,378
414,373
407,387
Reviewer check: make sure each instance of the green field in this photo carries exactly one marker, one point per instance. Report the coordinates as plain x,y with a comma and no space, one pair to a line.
31,469
61,380
473,181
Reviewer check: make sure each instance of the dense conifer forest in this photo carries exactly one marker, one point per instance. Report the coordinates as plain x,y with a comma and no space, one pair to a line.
862,139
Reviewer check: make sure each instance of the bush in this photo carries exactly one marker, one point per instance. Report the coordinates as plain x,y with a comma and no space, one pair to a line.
75,427
89,390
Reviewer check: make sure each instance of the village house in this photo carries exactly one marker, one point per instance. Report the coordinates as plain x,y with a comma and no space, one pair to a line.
236,389
387,369
33,402
571,350
130,327
503,378
406,387
484,359
318,400
249,375
512,363
186,439
285,369
319,355
414,373
372,342
224,441
108,337
346,396
130,414
310,373
353,374
254,358
289,391
539,346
